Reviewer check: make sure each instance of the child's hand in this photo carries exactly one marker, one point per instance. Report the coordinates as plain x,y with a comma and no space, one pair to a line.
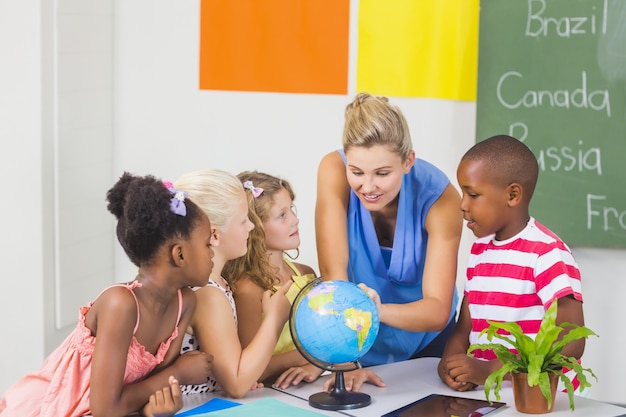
256,385
297,374
193,367
371,293
165,402
277,304
463,373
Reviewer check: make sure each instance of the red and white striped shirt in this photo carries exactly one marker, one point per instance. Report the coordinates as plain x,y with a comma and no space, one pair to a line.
516,280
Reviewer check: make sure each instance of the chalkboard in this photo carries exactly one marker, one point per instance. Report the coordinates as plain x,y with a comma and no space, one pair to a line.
552,73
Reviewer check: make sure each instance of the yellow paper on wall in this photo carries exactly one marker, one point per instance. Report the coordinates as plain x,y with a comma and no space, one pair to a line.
425,48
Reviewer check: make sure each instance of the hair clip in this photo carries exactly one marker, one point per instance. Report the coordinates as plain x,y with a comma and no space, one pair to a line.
256,191
177,203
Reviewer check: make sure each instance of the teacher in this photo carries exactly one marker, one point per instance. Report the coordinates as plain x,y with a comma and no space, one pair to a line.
391,221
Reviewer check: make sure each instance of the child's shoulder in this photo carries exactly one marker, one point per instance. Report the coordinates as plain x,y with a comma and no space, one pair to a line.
304,269
246,285
117,296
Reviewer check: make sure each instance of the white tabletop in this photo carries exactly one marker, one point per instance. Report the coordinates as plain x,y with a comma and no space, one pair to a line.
411,380
407,382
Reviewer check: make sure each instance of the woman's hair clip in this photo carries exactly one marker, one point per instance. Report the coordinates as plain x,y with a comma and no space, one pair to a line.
256,191
177,203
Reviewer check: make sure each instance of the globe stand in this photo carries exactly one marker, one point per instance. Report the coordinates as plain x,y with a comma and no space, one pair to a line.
339,398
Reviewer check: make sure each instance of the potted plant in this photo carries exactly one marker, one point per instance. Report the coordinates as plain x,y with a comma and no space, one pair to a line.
536,360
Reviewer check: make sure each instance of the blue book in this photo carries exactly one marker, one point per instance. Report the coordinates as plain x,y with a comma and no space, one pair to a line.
267,407
213,404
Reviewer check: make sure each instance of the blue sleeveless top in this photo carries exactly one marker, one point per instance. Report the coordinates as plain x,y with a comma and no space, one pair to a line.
401,282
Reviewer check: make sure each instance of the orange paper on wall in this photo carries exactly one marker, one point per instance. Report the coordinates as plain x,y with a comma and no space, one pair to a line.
291,46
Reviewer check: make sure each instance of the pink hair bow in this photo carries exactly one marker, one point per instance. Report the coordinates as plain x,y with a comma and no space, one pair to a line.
256,191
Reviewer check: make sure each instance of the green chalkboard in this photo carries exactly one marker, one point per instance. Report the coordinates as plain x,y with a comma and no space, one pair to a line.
552,73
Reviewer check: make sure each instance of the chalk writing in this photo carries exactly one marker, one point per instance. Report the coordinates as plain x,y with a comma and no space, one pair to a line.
598,100
539,25
609,217
561,158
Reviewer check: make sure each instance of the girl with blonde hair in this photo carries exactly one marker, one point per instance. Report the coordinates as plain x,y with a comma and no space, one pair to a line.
265,267
236,368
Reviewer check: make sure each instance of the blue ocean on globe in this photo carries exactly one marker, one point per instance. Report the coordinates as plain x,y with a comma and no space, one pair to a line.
333,322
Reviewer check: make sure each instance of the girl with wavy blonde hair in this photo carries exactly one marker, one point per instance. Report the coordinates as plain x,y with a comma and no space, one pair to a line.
265,266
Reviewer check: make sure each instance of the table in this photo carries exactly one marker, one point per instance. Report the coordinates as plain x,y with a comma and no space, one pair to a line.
409,381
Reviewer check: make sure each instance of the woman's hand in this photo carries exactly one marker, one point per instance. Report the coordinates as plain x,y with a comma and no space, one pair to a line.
354,379
371,293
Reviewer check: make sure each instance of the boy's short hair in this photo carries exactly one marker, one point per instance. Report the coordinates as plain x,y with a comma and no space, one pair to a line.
508,160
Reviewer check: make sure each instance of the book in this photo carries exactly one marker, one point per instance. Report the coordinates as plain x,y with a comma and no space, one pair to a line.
214,404
263,407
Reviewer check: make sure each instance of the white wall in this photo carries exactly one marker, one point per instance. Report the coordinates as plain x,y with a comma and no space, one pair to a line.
21,266
164,125
56,84
82,155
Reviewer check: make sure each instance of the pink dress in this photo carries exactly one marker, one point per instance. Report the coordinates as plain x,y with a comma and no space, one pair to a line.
61,386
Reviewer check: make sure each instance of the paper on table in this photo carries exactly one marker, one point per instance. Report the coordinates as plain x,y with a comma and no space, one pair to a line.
210,406
263,407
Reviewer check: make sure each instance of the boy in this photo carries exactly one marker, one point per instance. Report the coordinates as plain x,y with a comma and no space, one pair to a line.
516,268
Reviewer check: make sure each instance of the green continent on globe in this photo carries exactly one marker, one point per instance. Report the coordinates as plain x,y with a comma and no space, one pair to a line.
320,299
360,321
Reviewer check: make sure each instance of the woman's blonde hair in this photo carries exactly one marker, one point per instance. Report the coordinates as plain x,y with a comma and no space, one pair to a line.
215,191
255,263
371,121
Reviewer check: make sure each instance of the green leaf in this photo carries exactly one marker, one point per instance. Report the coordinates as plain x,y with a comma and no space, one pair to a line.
496,377
545,344
548,331
572,363
501,351
535,365
570,389
578,332
517,336
544,385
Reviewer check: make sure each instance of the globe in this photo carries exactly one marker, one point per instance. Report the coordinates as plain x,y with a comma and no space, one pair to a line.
333,324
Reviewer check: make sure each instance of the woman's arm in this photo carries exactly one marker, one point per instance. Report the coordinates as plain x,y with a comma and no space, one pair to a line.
331,208
444,224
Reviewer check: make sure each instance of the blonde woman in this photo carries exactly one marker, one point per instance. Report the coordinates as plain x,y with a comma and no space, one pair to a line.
390,221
